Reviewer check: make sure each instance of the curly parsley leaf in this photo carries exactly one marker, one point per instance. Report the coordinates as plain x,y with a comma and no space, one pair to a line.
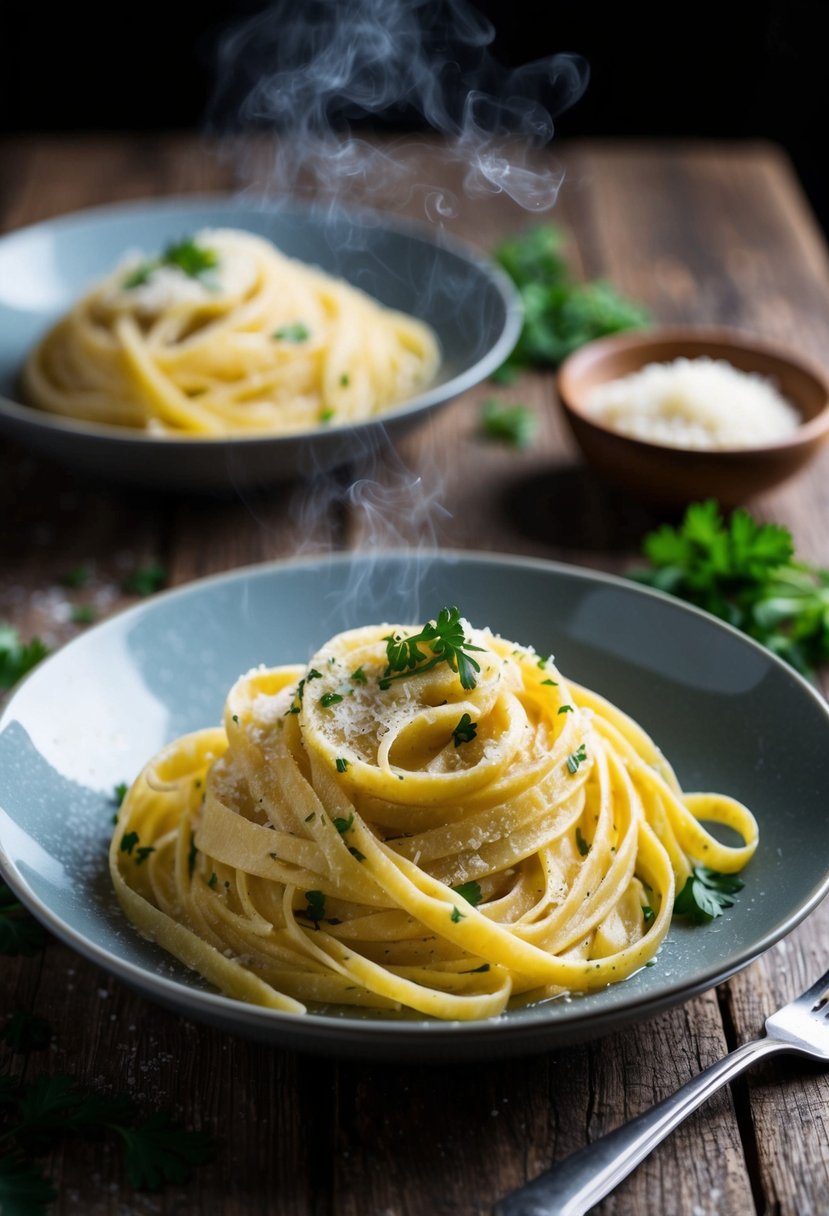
187,255
514,425
706,895
146,580
745,573
446,643
16,657
158,1151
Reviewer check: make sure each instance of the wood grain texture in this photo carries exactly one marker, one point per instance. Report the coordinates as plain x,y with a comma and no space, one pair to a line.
697,232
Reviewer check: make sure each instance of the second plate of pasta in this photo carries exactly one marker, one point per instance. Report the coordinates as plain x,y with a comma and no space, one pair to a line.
206,343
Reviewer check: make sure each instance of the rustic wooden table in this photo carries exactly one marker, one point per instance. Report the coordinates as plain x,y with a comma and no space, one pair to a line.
705,233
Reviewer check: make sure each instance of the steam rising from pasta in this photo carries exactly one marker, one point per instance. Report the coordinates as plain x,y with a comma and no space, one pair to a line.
311,71
433,822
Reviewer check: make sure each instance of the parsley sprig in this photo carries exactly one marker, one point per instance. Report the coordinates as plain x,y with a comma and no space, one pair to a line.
514,425
187,255
560,313
706,895
16,657
745,573
156,1149
446,643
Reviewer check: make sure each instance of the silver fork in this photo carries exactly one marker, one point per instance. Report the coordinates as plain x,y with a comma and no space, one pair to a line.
578,1182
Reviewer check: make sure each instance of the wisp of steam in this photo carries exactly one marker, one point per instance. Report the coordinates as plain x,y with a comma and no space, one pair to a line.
321,76
315,71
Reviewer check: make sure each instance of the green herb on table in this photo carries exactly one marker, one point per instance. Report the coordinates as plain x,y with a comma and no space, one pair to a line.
77,577
560,312
446,643
16,657
146,580
706,895
20,933
84,614
744,572
514,425
156,1150
25,1032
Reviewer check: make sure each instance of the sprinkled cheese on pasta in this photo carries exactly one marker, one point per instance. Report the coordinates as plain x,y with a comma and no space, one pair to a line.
429,821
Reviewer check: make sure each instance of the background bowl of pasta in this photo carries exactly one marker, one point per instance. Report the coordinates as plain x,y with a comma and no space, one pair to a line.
141,683
207,343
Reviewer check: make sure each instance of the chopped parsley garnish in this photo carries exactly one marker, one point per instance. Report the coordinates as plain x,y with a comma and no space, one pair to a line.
746,573
213,879
457,916
191,857
330,698
648,915
146,580
566,709
581,844
188,256
356,854
706,895
345,380
344,825
315,910
578,757
128,841
465,731
514,425
313,674
296,332
15,657
142,853
341,763
359,676
327,415
119,792
234,718
444,638
552,683
470,891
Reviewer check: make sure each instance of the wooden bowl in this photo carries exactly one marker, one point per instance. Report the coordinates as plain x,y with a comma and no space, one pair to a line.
657,473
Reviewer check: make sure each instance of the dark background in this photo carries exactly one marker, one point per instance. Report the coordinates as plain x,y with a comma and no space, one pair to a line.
708,70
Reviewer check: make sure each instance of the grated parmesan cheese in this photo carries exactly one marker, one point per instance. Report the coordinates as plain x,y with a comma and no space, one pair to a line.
695,403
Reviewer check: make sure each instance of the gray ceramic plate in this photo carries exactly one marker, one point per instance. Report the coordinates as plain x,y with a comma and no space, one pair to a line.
469,302
730,715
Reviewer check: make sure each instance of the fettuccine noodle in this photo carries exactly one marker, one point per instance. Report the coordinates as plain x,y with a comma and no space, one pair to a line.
363,834
224,335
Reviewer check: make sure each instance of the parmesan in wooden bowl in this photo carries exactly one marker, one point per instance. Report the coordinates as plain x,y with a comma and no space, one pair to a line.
672,415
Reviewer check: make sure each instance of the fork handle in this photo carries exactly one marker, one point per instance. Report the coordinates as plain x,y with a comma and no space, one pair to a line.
578,1182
